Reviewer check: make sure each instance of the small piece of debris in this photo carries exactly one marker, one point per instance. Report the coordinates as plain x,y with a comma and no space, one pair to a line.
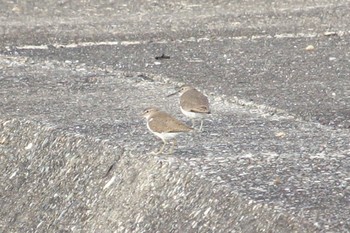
110,182
163,56
29,146
2,140
330,33
310,48
277,181
109,169
17,10
280,134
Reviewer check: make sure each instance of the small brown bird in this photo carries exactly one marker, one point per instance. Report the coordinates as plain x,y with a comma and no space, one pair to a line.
164,126
193,104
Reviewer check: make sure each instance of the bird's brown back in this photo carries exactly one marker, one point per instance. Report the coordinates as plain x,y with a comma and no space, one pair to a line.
163,122
194,101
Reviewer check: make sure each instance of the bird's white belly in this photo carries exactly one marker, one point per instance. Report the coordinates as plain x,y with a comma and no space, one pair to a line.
192,114
165,136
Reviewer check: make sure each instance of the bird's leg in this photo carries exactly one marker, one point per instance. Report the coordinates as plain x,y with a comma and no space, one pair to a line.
171,150
201,127
161,149
192,120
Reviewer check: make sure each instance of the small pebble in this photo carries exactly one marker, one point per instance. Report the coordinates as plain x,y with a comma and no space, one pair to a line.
310,48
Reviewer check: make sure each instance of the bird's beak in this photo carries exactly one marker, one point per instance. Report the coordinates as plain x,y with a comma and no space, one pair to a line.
173,94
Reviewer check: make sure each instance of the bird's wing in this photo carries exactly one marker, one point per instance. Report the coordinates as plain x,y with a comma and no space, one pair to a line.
194,101
201,109
167,122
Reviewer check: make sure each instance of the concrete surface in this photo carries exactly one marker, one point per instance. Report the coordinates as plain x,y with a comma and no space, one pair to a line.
274,156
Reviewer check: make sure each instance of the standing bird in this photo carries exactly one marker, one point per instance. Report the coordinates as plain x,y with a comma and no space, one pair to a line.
164,126
193,104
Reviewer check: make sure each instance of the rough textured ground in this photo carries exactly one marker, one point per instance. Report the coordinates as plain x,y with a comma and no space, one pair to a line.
273,157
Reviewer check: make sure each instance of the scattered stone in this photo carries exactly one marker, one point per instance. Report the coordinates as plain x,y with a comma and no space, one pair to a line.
330,34
310,48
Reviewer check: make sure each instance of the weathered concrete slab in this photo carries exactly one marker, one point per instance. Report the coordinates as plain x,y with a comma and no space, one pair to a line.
271,159
60,182
274,156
